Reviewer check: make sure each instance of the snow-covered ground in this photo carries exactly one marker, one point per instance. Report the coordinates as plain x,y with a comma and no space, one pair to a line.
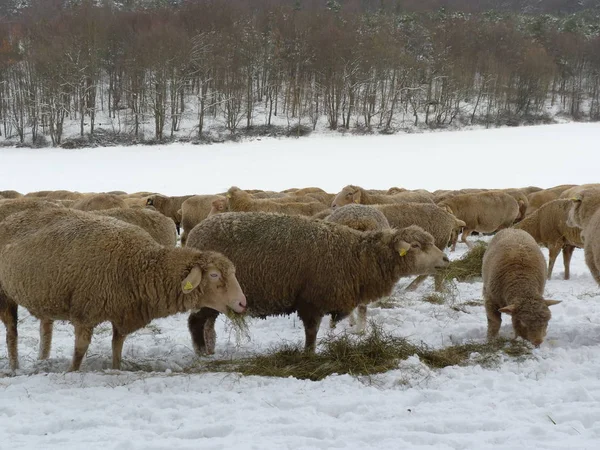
549,401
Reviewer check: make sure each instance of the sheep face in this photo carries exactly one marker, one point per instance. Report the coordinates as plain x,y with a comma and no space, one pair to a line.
416,243
348,195
574,217
218,206
219,289
530,319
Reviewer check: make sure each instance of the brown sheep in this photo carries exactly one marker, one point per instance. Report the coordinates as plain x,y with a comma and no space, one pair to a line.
12,206
10,194
289,264
514,276
548,226
169,206
484,212
37,194
194,210
64,195
521,199
161,228
575,190
356,194
361,218
218,206
89,269
585,214
240,201
97,202
538,198
530,189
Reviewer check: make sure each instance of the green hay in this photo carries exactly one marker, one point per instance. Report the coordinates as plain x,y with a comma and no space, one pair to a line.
374,353
467,268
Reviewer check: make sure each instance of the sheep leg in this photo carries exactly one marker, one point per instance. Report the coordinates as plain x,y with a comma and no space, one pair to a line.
311,323
567,254
178,227
553,252
494,320
465,234
9,316
415,283
45,338
117,347
83,337
361,322
202,329
454,241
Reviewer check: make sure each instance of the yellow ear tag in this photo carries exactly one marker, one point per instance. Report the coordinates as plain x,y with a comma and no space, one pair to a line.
228,196
402,252
188,286
575,199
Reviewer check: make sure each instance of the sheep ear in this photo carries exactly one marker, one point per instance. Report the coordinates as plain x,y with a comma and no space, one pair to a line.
577,199
510,309
552,302
149,202
192,281
448,209
402,247
356,197
460,223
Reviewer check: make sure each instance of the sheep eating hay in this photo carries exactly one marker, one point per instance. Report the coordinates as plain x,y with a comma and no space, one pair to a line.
89,269
291,264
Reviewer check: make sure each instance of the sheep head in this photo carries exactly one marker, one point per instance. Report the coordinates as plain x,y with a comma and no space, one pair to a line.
212,283
584,206
530,318
417,244
218,206
350,194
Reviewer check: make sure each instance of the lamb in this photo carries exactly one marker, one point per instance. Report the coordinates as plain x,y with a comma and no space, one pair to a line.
356,194
585,214
89,269
548,226
514,276
293,263
10,194
161,228
97,202
194,210
169,206
538,198
240,201
484,212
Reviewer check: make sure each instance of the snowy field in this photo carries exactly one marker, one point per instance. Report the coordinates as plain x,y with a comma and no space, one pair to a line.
548,401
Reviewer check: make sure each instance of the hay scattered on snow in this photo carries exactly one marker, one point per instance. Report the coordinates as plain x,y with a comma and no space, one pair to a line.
467,268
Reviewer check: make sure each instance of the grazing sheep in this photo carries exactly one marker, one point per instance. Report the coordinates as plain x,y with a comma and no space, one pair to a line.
356,194
585,214
484,212
161,228
361,218
548,226
194,210
240,201
289,264
169,206
10,194
514,276
89,269
97,202
538,198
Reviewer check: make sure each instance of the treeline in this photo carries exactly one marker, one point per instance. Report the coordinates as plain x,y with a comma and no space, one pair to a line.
222,61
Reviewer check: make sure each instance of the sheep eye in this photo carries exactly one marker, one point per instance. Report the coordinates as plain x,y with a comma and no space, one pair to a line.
214,275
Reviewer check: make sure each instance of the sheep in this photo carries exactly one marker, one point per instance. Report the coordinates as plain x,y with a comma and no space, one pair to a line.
89,269
161,228
97,202
585,214
356,194
218,206
12,206
575,190
521,199
514,276
134,202
484,212
292,264
240,201
548,226
530,189
538,198
37,194
169,206
433,219
117,192
194,210
64,195
10,194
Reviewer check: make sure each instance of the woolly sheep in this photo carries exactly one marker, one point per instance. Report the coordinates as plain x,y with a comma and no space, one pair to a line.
530,189
575,190
37,194
548,226
293,263
97,202
356,194
521,199
538,198
585,214
64,195
12,206
484,212
161,228
89,269
240,201
169,206
194,210
514,276
10,194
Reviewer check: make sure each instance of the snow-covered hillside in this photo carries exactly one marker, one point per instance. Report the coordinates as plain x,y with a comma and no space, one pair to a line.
549,401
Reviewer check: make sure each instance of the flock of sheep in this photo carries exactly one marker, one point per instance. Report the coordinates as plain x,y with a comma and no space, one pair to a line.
91,258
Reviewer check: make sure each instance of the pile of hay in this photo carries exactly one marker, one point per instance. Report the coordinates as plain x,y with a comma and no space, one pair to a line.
467,268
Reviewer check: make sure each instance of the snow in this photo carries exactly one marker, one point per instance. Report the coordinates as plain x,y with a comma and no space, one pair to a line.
549,401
